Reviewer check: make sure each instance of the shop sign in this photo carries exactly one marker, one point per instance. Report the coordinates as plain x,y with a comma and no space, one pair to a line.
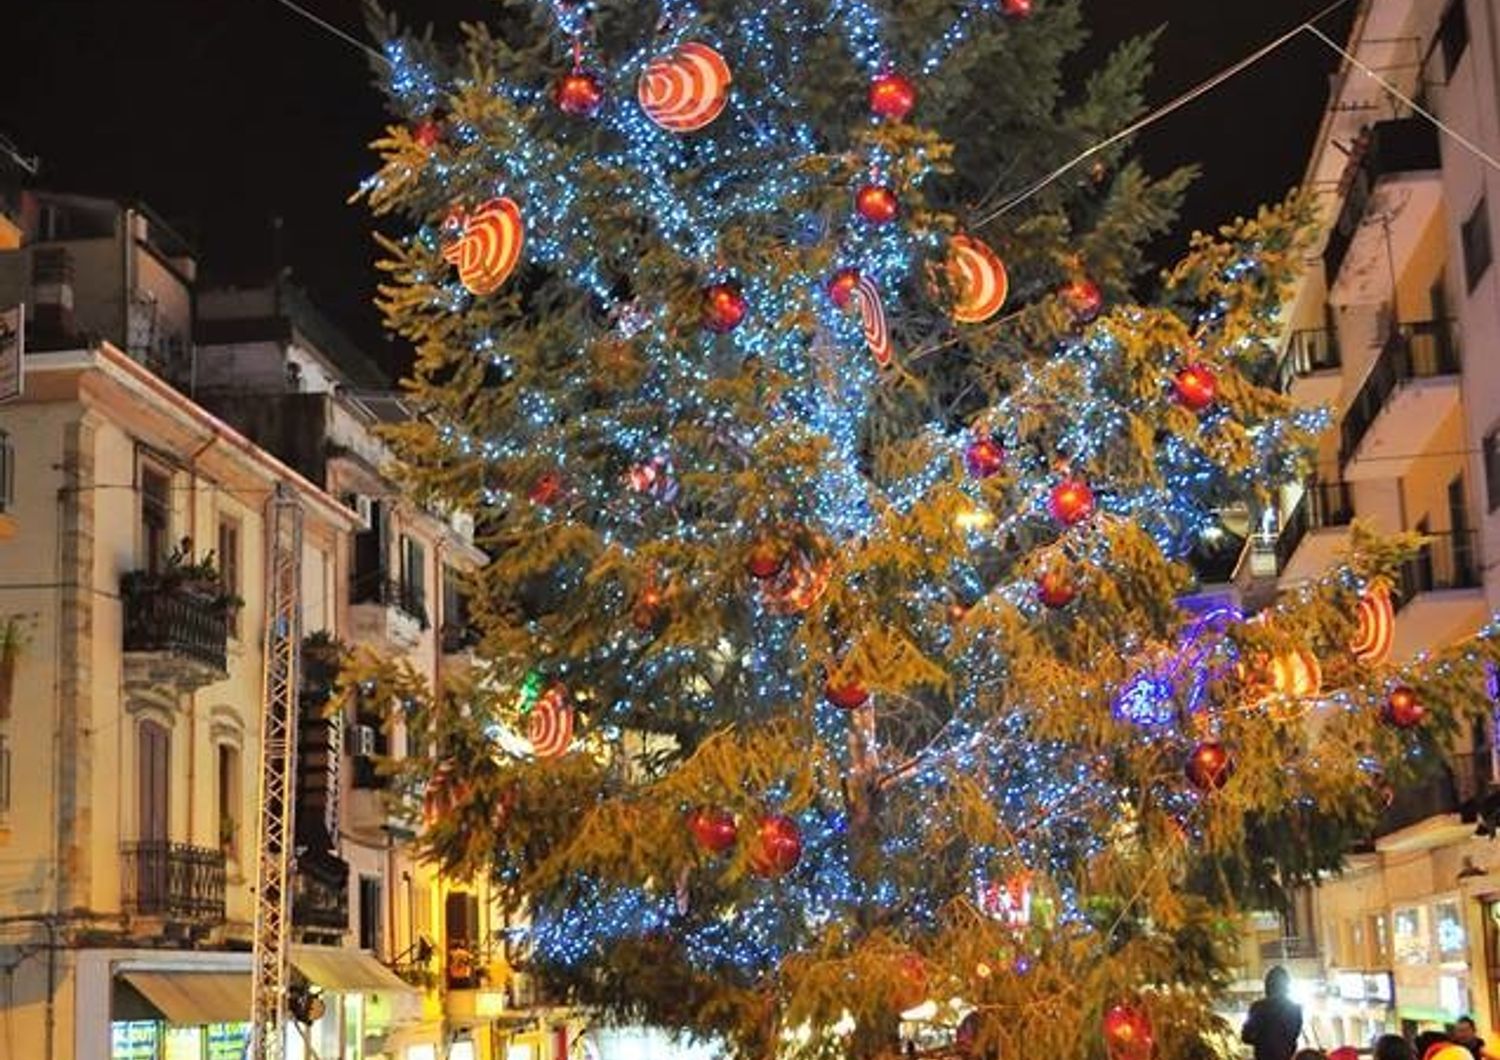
1378,987
228,1041
1350,986
134,1041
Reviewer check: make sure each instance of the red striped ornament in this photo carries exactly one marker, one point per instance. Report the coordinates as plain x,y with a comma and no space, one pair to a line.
1297,673
489,247
1377,627
685,89
550,728
979,279
866,297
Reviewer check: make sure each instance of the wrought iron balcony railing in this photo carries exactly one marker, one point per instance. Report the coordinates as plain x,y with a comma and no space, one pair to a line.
1323,505
176,618
1445,561
1423,350
375,588
1309,350
175,881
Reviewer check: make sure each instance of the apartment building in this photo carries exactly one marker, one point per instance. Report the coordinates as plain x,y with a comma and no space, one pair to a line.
1394,329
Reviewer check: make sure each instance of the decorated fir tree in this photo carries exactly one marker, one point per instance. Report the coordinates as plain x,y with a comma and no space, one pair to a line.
834,658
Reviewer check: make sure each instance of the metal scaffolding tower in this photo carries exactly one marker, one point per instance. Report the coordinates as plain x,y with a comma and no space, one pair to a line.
278,769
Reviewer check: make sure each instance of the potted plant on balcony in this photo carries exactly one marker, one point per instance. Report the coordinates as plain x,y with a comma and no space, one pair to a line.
183,577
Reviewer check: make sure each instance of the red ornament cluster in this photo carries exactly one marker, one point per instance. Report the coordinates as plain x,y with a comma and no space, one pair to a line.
1127,1033
1071,501
892,96
1083,299
546,489
1195,387
724,307
579,93
765,559
1210,766
849,695
714,830
428,133
778,846
1403,709
876,203
1055,588
841,287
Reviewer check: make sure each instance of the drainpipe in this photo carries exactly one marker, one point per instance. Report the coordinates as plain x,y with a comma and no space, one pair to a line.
192,777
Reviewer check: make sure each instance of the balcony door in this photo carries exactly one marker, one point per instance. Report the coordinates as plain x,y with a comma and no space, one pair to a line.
1458,519
370,558
153,766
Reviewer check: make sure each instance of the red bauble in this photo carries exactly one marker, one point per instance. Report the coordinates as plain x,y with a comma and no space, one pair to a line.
1083,299
1210,766
1403,709
984,457
876,203
1015,8
1127,1033
1195,387
892,95
428,133
723,307
579,93
714,830
765,560
546,489
841,287
1055,588
1071,502
778,846
851,695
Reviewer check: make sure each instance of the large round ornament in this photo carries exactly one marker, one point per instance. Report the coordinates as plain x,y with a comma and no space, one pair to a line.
846,695
876,203
892,95
579,93
1083,299
778,846
1403,709
1195,387
1055,588
685,89
713,830
1377,627
724,307
841,287
984,457
1127,1033
1071,501
765,559
1209,766
979,279
550,728
489,247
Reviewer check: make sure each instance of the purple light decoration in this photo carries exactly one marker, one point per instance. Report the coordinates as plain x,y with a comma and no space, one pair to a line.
1150,697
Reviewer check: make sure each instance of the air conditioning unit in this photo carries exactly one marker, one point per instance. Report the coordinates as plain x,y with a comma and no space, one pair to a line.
363,742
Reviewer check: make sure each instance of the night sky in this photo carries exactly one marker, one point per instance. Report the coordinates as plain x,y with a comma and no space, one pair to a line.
223,114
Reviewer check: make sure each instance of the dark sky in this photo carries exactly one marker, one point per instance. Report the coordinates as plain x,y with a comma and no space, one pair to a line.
221,114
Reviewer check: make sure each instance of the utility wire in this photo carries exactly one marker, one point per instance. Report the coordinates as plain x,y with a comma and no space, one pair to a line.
1159,113
329,27
1446,129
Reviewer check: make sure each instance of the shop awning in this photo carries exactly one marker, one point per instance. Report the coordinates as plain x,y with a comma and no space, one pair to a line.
192,998
347,971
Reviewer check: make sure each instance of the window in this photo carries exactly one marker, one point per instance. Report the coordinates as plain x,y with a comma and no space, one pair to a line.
1492,469
228,555
369,914
7,474
156,517
229,800
153,763
1453,37
1475,237
4,773
413,577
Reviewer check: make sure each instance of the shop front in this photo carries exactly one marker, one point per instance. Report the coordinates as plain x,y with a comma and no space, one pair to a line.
1433,978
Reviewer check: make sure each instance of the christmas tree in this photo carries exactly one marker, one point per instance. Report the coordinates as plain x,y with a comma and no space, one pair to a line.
834,659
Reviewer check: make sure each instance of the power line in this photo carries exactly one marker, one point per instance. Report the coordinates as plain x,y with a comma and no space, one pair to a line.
329,27
1152,117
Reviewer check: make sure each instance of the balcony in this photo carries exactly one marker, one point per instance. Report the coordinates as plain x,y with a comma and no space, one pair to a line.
386,613
175,634
1309,369
1441,594
1410,392
1314,531
176,882
320,897
1394,187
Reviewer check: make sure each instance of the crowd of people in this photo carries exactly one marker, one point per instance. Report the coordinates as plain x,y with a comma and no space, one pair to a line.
1274,1029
